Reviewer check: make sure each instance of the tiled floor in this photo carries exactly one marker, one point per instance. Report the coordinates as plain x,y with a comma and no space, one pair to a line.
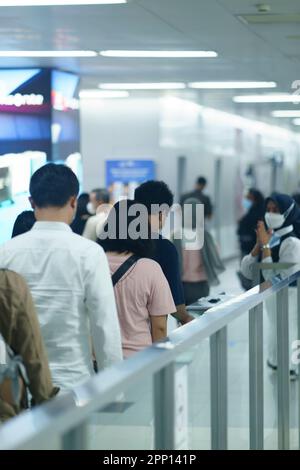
133,428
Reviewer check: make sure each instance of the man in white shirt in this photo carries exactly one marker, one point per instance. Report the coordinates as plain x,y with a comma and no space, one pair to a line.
99,201
69,279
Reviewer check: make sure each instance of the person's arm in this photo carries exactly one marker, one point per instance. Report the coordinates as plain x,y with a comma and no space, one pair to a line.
21,330
182,314
158,327
101,309
171,269
289,253
248,262
160,301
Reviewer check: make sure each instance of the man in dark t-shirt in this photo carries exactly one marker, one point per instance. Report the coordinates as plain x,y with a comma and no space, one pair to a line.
199,194
158,193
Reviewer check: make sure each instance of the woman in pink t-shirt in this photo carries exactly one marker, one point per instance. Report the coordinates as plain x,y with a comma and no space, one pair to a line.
142,293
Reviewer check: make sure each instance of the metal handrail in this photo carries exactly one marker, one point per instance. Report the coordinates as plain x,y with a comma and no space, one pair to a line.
67,412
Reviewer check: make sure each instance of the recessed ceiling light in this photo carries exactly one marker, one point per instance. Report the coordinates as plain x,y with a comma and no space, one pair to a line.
270,98
44,3
286,113
48,54
143,86
296,122
231,85
159,54
103,94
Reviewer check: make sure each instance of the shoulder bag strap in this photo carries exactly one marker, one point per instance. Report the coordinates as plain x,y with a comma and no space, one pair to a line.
124,268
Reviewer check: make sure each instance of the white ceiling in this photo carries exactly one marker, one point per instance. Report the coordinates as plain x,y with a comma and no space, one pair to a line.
246,52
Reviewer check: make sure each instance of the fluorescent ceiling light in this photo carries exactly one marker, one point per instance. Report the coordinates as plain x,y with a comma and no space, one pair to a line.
43,3
48,54
90,94
270,98
143,86
159,54
232,85
296,122
286,113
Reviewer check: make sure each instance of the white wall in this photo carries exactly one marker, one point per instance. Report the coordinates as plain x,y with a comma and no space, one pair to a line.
163,129
116,129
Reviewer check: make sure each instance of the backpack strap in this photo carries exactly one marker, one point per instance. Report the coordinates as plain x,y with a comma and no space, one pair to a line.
124,268
14,369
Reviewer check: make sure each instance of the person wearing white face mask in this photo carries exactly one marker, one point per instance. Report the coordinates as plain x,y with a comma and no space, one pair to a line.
279,243
97,207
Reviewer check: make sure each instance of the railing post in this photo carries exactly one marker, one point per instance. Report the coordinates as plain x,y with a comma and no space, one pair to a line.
164,415
76,439
283,359
218,390
298,311
256,378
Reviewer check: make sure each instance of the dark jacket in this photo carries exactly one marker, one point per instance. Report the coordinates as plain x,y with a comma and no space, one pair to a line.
203,199
247,226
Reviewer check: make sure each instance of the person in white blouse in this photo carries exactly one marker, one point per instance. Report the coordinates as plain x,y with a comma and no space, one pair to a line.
278,243
69,279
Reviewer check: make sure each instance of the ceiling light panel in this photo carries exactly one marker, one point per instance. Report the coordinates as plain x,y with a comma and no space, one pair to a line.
232,85
286,113
270,98
159,54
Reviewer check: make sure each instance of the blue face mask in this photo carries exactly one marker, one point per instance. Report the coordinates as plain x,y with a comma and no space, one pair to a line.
247,204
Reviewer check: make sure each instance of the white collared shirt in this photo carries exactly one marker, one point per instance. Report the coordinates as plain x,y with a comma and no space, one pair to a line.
71,286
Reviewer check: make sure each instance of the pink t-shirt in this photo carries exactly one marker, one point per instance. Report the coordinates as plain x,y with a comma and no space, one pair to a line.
142,292
193,267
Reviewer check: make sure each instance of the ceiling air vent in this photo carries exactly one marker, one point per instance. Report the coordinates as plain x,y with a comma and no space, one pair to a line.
270,18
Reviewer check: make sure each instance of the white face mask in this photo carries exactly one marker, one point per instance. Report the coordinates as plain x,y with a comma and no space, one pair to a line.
274,220
90,208
277,220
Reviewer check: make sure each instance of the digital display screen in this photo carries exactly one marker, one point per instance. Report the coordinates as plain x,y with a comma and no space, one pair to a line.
25,111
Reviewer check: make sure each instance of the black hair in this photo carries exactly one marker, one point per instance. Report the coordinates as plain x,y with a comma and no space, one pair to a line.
82,203
259,199
102,195
201,181
24,223
154,192
53,185
119,240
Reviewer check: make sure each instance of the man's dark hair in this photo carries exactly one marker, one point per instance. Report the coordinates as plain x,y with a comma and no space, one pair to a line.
202,181
154,192
53,185
102,195
120,240
24,223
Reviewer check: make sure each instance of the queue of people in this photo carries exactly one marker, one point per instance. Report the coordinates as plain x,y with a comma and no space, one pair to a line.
79,291
82,301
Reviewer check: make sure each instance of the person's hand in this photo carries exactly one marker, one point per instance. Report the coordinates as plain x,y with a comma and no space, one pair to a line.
263,235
